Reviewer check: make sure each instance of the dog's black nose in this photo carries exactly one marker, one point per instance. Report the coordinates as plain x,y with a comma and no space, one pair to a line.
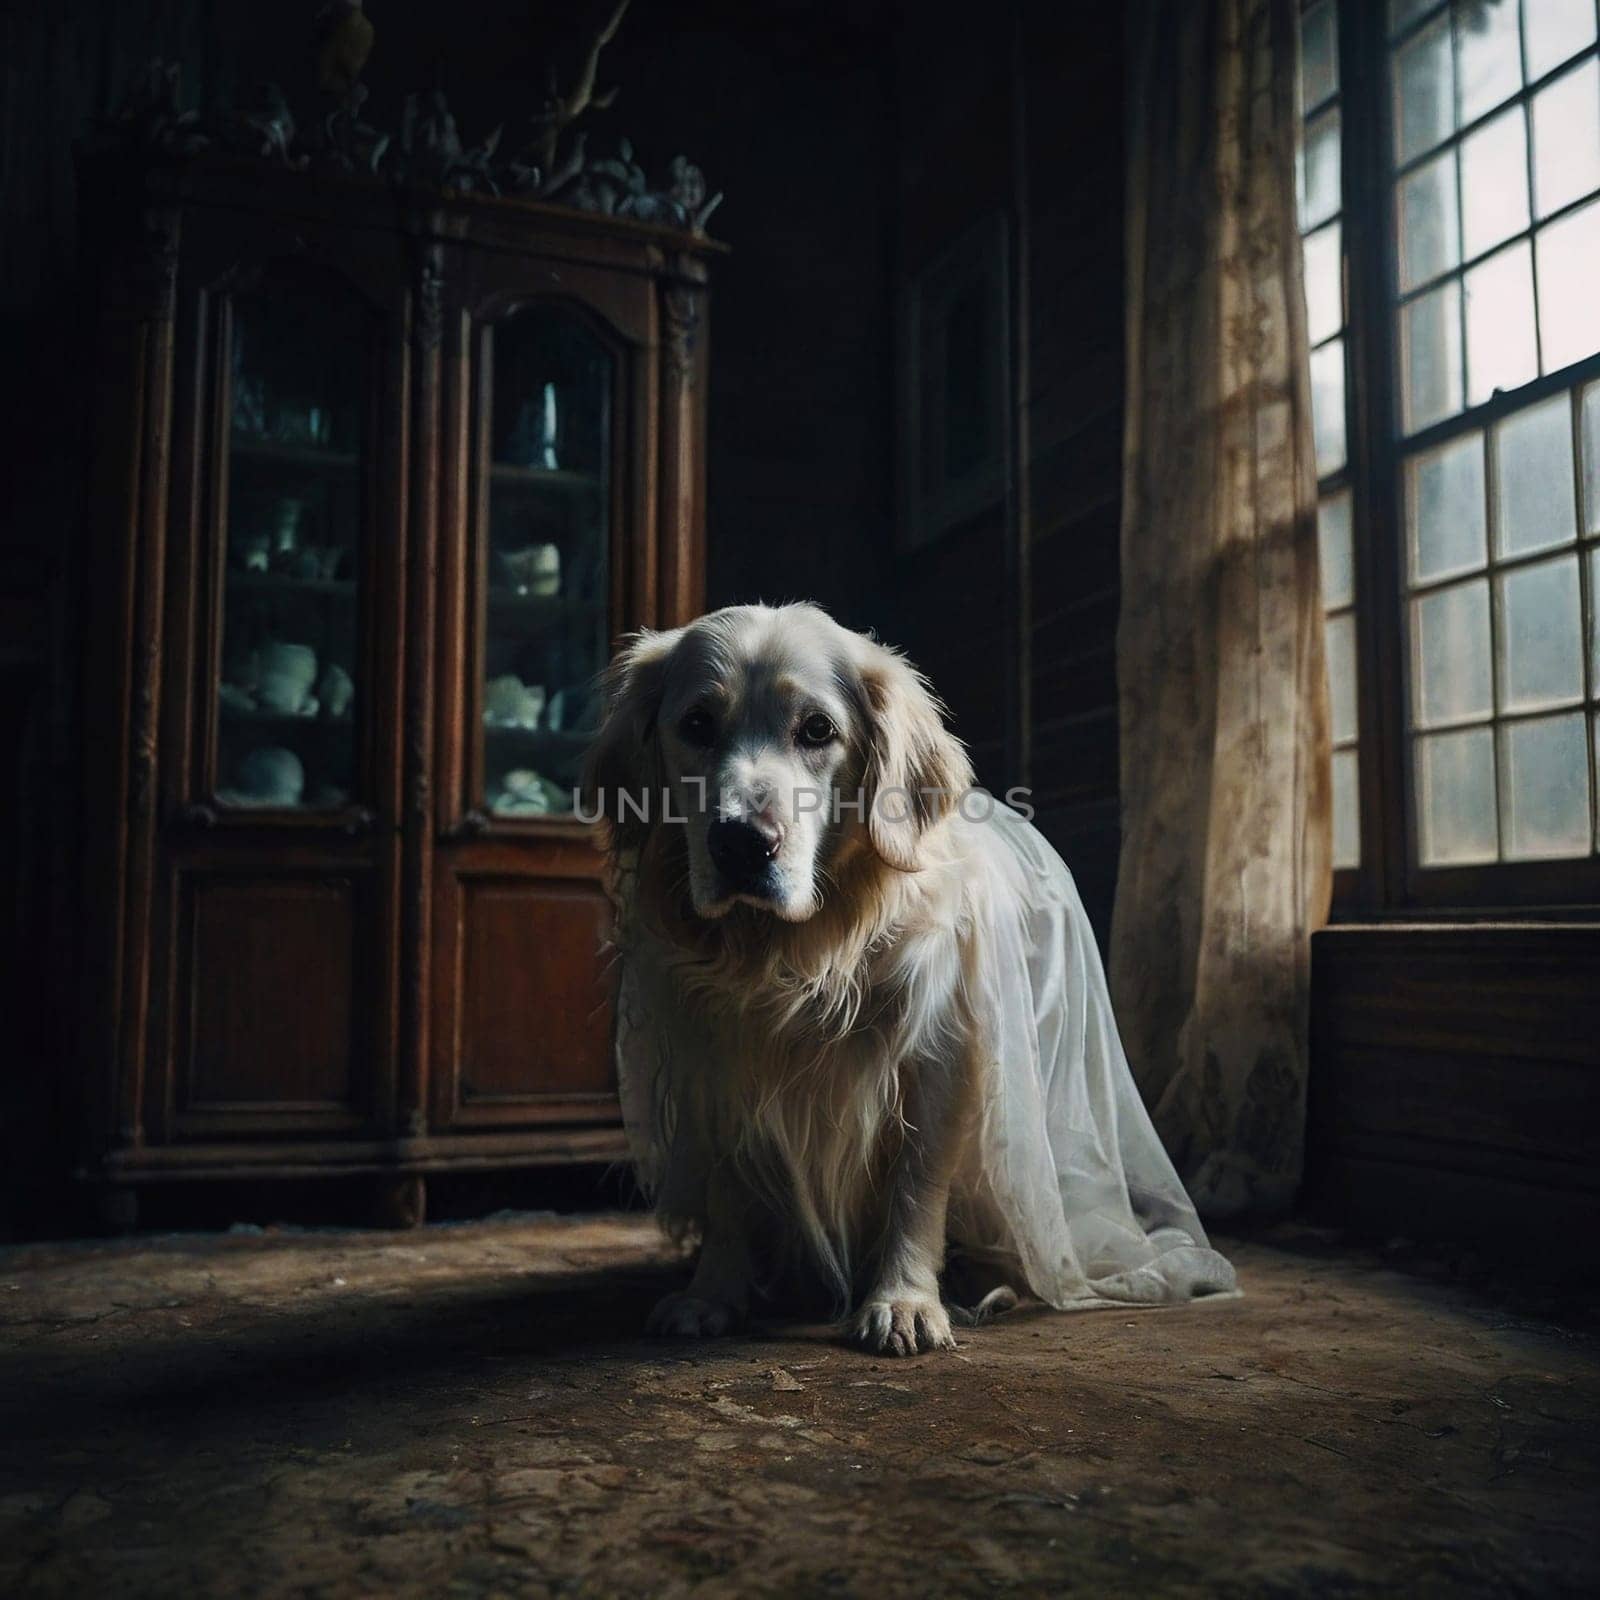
742,852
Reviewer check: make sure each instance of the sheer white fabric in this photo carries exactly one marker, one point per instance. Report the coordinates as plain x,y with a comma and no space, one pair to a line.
1065,1191
1067,1176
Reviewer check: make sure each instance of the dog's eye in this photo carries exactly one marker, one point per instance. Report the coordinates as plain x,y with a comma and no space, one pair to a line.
817,730
697,727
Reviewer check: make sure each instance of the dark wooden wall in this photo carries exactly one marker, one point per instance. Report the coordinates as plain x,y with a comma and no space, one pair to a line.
948,605
1014,614
1455,1086
788,107
1072,80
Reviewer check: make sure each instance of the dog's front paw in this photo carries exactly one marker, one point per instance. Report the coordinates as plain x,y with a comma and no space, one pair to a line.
686,1316
903,1325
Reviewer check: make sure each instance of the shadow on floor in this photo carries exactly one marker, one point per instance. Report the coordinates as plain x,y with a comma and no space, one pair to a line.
381,1342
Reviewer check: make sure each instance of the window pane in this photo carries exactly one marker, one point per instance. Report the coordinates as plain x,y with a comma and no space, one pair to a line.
1566,139
1594,620
1341,651
1533,466
1319,198
1540,636
1455,798
1554,30
1424,89
1489,54
1445,510
1333,540
1324,284
1501,353
1346,809
1547,788
1591,463
1327,406
1431,333
1319,53
1429,233
1451,678
1494,183
1569,307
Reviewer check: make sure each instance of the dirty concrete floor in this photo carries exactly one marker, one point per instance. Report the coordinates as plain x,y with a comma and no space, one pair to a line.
469,1411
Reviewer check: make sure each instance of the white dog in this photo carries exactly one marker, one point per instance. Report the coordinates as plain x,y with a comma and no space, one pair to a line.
861,1012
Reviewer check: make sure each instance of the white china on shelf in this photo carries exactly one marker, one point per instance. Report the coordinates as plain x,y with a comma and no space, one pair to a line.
281,695
533,570
535,435
528,793
336,691
285,675
271,776
286,516
253,550
508,702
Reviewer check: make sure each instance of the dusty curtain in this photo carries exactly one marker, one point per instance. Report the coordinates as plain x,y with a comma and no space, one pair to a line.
1225,766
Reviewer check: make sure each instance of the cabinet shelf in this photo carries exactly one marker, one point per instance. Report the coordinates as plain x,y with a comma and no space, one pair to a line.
539,607
278,583
504,474
277,722
270,452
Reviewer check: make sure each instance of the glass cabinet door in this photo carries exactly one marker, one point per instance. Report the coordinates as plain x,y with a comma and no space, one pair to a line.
547,555
289,689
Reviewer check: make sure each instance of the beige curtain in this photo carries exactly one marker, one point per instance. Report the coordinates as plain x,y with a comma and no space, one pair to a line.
1225,765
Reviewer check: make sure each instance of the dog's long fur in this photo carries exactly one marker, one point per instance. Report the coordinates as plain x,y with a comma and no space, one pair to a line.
812,1057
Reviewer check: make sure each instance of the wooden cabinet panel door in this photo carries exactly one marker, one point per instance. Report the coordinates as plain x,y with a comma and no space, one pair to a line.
524,1024
271,966
275,913
548,530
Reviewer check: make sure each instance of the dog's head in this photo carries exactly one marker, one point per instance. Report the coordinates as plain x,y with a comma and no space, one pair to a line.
777,744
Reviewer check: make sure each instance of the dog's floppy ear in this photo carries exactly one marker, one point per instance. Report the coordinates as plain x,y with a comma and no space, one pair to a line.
916,770
622,774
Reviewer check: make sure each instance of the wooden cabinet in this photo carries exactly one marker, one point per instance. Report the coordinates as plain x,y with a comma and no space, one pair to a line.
380,477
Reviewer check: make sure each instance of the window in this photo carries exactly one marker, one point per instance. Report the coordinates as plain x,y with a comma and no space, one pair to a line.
1450,216
1323,246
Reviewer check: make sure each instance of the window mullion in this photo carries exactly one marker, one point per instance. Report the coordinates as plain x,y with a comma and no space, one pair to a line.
1373,371
1491,573
1588,618
1524,100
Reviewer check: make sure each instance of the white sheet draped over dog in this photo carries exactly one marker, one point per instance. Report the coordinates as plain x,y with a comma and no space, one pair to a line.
1066,1185
1067,1166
